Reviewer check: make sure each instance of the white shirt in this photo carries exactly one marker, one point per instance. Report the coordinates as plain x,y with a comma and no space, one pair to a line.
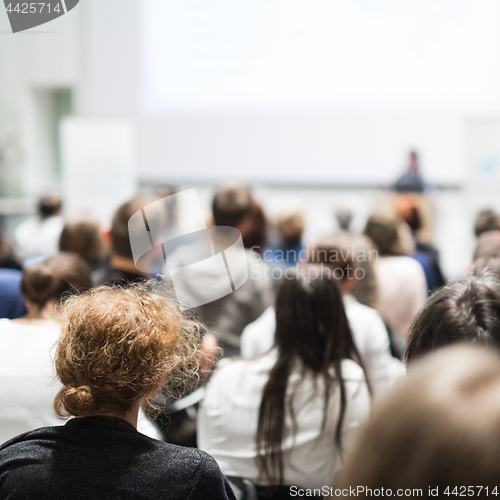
228,419
368,331
28,382
27,377
402,291
39,238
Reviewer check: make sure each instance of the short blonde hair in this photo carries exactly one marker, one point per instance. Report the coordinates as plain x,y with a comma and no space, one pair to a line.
290,223
118,345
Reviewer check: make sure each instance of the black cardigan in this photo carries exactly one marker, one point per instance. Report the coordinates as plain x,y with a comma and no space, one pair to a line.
104,458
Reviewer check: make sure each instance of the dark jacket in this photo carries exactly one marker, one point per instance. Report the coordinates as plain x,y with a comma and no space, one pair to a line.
105,458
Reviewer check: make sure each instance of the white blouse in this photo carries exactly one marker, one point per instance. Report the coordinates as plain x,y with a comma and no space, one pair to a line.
227,422
368,331
27,377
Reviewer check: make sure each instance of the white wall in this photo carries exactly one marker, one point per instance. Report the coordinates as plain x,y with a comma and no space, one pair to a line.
46,57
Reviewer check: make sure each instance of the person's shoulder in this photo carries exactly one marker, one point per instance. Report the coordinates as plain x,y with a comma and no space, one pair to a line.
196,473
362,315
231,369
10,275
403,265
23,442
352,372
353,306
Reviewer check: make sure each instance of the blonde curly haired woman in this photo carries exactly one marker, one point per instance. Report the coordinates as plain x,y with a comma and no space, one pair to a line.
117,348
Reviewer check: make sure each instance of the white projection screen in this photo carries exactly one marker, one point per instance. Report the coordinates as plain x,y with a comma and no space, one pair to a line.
313,92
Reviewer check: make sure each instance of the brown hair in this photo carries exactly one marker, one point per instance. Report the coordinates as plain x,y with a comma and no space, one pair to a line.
336,252
82,234
440,427
49,205
231,204
118,345
55,278
467,309
120,239
488,245
384,234
486,220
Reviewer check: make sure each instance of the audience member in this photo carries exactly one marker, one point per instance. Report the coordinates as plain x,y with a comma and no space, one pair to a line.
425,253
340,258
122,269
117,348
12,304
288,249
366,289
8,258
436,434
38,237
82,234
26,388
465,310
486,220
487,246
402,288
287,417
254,228
227,316
344,218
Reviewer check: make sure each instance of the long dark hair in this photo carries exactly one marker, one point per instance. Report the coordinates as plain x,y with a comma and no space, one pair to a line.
312,329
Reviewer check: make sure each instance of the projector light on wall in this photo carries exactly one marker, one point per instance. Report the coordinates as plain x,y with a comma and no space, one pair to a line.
26,15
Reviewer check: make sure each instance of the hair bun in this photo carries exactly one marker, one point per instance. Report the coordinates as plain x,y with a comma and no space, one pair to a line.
75,401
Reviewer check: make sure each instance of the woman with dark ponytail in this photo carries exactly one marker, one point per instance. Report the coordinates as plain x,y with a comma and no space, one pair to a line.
287,417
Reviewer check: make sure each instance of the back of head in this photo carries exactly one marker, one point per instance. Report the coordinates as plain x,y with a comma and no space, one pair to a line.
384,234
231,204
290,223
82,235
337,253
55,278
465,310
344,217
118,346
120,237
488,245
311,324
486,220
407,208
312,331
440,427
49,205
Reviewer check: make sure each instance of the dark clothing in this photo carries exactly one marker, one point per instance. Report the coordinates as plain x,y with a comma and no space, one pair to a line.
120,277
410,182
427,256
12,304
105,458
433,254
9,262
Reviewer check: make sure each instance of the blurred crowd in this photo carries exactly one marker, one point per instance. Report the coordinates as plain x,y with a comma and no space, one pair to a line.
301,378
